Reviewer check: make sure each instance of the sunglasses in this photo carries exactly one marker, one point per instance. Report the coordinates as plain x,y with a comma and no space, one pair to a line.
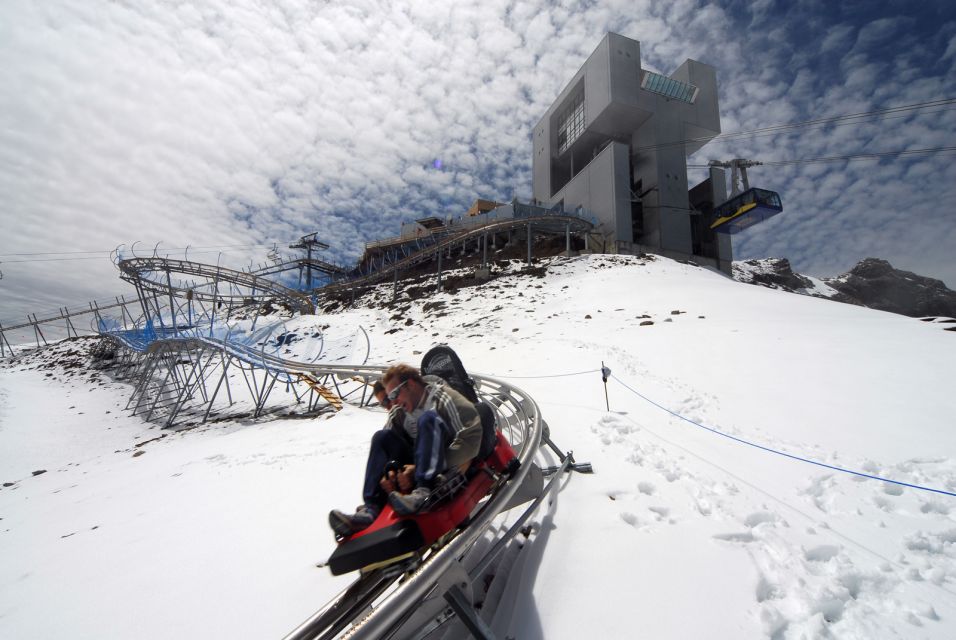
393,394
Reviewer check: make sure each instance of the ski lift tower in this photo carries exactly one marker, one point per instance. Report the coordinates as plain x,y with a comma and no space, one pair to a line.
309,242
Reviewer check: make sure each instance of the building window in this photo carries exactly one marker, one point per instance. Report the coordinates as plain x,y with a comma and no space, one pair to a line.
571,120
656,83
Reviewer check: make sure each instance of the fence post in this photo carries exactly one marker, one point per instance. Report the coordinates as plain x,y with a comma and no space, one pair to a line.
36,330
529,243
4,341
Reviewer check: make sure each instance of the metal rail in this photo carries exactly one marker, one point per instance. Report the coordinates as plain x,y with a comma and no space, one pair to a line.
169,368
320,265
520,420
556,223
67,316
517,416
153,275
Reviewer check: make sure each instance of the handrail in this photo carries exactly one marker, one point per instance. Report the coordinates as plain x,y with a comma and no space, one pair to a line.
425,254
65,313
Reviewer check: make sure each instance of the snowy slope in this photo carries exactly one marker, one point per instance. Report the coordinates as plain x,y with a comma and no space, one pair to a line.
680,532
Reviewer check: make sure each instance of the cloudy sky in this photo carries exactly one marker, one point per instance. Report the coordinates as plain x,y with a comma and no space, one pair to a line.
229,126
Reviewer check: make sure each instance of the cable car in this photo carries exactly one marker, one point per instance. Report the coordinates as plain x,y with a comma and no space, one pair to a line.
745,210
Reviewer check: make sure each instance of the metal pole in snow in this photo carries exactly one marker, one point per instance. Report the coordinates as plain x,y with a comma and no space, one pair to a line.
605,373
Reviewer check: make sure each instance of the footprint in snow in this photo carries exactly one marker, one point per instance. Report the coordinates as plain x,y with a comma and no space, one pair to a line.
884,503
735,536
934,506
822,553
766,590
630,519
758,518
661,513
891,489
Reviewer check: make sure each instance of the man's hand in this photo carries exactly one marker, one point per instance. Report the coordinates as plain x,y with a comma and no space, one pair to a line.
389,482
402,480
406,478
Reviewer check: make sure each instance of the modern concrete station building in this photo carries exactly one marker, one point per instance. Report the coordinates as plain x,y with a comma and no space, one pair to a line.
615,144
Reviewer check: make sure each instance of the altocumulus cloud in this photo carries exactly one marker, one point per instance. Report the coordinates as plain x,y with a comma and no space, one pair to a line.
242,123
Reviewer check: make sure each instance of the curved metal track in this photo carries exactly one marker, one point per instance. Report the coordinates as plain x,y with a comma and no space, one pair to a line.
517,416
520,420
154,275
170,368
383,603
392,608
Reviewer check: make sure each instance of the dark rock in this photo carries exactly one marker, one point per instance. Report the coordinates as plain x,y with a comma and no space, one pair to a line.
775,273
876,284
872,283
39,471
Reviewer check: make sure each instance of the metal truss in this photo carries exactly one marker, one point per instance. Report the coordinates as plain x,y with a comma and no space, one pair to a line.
177,378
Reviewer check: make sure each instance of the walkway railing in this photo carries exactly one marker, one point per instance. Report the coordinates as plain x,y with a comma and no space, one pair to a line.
547,222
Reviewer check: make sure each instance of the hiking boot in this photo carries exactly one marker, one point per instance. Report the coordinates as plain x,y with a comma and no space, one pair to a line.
345,525
406,505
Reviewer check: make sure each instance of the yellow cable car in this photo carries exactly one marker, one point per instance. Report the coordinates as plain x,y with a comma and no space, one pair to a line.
745,210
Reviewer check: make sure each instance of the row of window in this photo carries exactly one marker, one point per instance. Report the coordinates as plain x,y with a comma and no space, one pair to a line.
571,122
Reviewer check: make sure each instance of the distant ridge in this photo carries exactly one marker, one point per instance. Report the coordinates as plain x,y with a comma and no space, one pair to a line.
872,283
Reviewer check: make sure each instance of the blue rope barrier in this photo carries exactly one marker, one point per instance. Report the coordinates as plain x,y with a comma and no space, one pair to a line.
780,453
556,375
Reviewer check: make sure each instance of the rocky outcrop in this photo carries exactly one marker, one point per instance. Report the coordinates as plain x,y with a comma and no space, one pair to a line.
876,284
872,283
774,273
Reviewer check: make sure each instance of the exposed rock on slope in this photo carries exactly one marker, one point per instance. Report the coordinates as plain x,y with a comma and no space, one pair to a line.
872,283
875,283
774,273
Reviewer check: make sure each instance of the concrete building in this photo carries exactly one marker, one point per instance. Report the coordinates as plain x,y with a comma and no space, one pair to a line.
615,144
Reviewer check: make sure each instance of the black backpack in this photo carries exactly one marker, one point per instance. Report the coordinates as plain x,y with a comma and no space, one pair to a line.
442,361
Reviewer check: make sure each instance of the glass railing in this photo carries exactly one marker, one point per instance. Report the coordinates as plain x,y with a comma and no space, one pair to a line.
668,87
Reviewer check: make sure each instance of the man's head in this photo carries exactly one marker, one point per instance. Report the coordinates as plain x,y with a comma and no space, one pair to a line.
378,391
404,386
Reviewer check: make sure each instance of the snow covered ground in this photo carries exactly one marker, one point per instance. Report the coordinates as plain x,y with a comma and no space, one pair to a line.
680,532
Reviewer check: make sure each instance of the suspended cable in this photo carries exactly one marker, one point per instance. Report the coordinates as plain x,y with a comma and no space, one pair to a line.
83,258
843,124
856,156
860,156
107,252
853,118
